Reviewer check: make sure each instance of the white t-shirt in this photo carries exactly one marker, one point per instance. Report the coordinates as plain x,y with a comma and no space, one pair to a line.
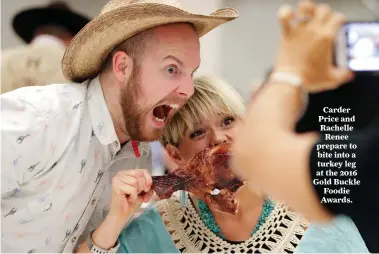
59,152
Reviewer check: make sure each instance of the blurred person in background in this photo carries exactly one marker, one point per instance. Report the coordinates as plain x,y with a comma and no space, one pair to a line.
47,32
271,155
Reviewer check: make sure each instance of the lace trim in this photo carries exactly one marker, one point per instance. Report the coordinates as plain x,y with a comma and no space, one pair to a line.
281,233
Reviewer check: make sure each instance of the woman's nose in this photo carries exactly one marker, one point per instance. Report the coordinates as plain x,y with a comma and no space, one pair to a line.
218,138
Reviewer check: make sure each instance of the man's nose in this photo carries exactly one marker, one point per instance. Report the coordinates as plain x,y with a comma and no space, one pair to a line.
185,89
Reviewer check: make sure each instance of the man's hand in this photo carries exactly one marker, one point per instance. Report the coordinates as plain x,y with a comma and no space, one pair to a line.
306,48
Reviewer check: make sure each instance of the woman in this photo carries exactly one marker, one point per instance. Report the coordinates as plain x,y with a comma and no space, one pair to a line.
260,225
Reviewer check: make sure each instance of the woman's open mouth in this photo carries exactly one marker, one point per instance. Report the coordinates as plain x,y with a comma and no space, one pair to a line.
163,112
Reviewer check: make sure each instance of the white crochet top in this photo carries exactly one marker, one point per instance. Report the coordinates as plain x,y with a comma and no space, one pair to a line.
281,232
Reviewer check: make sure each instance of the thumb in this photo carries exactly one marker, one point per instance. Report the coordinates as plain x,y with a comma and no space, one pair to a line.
342,76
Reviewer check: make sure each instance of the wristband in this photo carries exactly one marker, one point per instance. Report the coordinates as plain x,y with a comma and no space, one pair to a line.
293,80
285,77
95,249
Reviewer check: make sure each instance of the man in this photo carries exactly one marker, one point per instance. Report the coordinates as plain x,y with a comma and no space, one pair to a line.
62,143
47,31
270,154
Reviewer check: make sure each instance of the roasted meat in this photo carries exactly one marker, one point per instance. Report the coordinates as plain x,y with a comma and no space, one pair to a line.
208,176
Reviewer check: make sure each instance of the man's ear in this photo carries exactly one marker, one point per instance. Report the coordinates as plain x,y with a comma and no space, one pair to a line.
172,158
122,66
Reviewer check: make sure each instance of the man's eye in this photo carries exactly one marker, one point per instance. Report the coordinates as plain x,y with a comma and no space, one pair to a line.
196,133
228,121
172,70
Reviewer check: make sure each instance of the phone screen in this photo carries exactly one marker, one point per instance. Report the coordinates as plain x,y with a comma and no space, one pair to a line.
362,46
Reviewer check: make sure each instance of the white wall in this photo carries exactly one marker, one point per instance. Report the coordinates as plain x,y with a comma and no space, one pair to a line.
209,44
249,43
211,59
240,51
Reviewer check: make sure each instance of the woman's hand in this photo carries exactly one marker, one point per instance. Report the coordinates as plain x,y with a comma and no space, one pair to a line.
130,189
267,151
306,48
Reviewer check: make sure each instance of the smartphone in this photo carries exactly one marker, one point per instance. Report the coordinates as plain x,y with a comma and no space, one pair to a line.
357,46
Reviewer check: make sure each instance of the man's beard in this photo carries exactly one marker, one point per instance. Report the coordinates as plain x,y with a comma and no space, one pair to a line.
134,115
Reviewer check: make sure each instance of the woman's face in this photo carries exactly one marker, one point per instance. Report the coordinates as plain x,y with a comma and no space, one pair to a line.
211,131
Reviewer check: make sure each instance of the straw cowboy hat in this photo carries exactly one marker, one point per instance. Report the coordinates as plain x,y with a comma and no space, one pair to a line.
120,20
26,22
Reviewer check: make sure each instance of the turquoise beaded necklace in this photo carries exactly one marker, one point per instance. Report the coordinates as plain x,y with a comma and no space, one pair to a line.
207,217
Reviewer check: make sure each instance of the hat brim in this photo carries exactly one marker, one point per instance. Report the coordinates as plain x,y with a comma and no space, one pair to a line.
91,46
26,22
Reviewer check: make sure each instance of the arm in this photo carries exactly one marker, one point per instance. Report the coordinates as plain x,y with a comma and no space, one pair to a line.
268,152
25,140
106,235
281,154
129,189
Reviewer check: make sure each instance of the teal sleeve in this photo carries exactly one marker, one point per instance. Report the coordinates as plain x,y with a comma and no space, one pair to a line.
339,236
146,234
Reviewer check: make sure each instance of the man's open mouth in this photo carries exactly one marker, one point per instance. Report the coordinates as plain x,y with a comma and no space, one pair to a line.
162,112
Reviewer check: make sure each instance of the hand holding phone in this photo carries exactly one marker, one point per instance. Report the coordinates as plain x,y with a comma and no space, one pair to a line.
358,46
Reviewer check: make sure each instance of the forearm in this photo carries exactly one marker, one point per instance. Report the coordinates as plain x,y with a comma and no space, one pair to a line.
106,235
276,106
269,131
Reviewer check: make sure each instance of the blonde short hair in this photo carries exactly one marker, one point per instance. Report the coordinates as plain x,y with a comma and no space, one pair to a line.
212,96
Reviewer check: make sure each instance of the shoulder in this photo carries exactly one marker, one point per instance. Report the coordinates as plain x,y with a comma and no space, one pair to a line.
54,97
340,235
146,221
147,234
153,217
148,216
143,233
34,110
